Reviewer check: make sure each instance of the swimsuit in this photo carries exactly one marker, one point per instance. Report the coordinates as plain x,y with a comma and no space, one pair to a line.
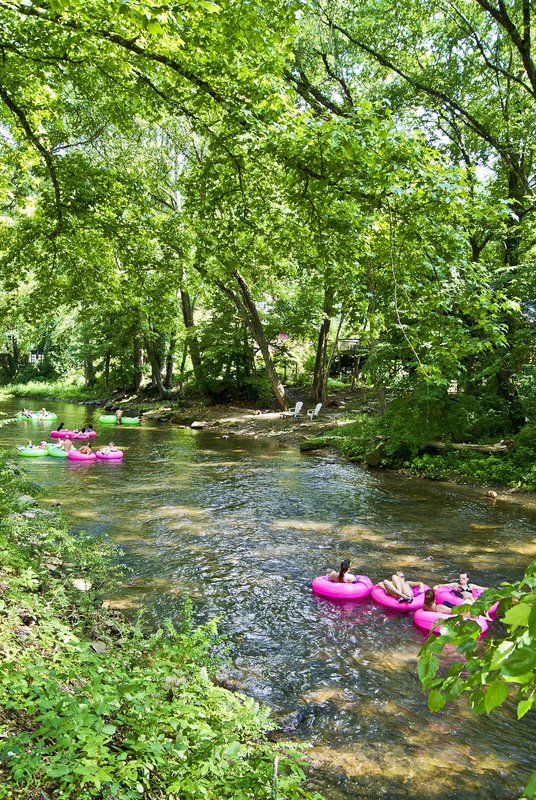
461,589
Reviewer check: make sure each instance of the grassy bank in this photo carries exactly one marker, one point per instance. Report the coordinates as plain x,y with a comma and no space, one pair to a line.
94,707
49,390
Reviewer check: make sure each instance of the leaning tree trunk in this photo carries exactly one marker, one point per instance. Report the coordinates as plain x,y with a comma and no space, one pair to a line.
107,360
248,311
254,323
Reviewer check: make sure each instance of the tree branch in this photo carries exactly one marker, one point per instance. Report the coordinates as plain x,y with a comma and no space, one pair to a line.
19,114
521,43
437,94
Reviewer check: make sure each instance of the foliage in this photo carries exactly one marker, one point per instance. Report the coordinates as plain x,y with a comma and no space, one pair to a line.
92,705
399,439
500,669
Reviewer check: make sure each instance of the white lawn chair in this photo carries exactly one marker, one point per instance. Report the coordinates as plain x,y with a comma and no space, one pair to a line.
293,412
313,412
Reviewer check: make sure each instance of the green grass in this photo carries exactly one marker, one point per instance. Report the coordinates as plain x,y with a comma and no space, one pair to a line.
49,390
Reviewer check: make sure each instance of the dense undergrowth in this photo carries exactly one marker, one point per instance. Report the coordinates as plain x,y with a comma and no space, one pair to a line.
400,438
94,707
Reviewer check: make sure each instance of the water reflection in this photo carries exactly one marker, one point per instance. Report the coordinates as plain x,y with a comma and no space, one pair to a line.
243,526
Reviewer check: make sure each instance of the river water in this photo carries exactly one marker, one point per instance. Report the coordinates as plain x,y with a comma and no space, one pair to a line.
242,526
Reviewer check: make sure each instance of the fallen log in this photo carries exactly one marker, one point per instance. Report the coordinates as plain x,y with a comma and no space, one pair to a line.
500,447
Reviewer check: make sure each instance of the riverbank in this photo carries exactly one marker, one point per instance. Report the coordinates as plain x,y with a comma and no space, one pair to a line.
348,423
91,704
243,420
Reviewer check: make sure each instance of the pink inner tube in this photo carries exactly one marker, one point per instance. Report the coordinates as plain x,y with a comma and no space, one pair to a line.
426,621
381,597
76,455
343,591
445,593
115,455
72,435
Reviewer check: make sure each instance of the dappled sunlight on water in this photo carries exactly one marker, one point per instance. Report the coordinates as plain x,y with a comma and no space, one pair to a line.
242,526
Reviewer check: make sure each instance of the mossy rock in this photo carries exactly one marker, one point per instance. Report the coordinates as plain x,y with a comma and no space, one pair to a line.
314,443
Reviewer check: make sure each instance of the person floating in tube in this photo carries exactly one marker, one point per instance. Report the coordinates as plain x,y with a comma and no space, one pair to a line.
118,415
431,605
463,589
400,588
343,576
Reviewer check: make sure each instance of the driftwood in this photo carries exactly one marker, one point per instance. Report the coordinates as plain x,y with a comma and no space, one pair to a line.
500,447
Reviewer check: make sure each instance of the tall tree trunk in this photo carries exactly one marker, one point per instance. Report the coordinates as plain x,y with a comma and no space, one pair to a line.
138,363
154,354
107,370
329,362
512,239
506,386
168,380
248,311
320,378
192,340
89,372
16,354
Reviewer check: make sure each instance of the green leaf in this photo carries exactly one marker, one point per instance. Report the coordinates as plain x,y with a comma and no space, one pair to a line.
530,789
436,701
519,662
523,706
155,27
427,669
212,8
496,695
109,729
232,749
517,615
501,653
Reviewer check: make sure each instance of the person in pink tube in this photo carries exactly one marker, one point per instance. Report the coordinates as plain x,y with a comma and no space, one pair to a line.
462,588
431,605
342,576
400,588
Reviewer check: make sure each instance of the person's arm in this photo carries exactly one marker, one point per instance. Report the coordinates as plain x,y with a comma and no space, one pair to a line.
420,584
443,609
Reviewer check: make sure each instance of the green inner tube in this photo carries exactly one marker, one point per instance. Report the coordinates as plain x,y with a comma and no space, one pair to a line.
130,421
108,419
36,416
56,452
31,452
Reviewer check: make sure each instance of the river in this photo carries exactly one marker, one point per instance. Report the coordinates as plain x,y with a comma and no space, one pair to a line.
243,526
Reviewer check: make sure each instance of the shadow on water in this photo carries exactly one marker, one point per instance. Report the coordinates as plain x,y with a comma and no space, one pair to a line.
242,526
